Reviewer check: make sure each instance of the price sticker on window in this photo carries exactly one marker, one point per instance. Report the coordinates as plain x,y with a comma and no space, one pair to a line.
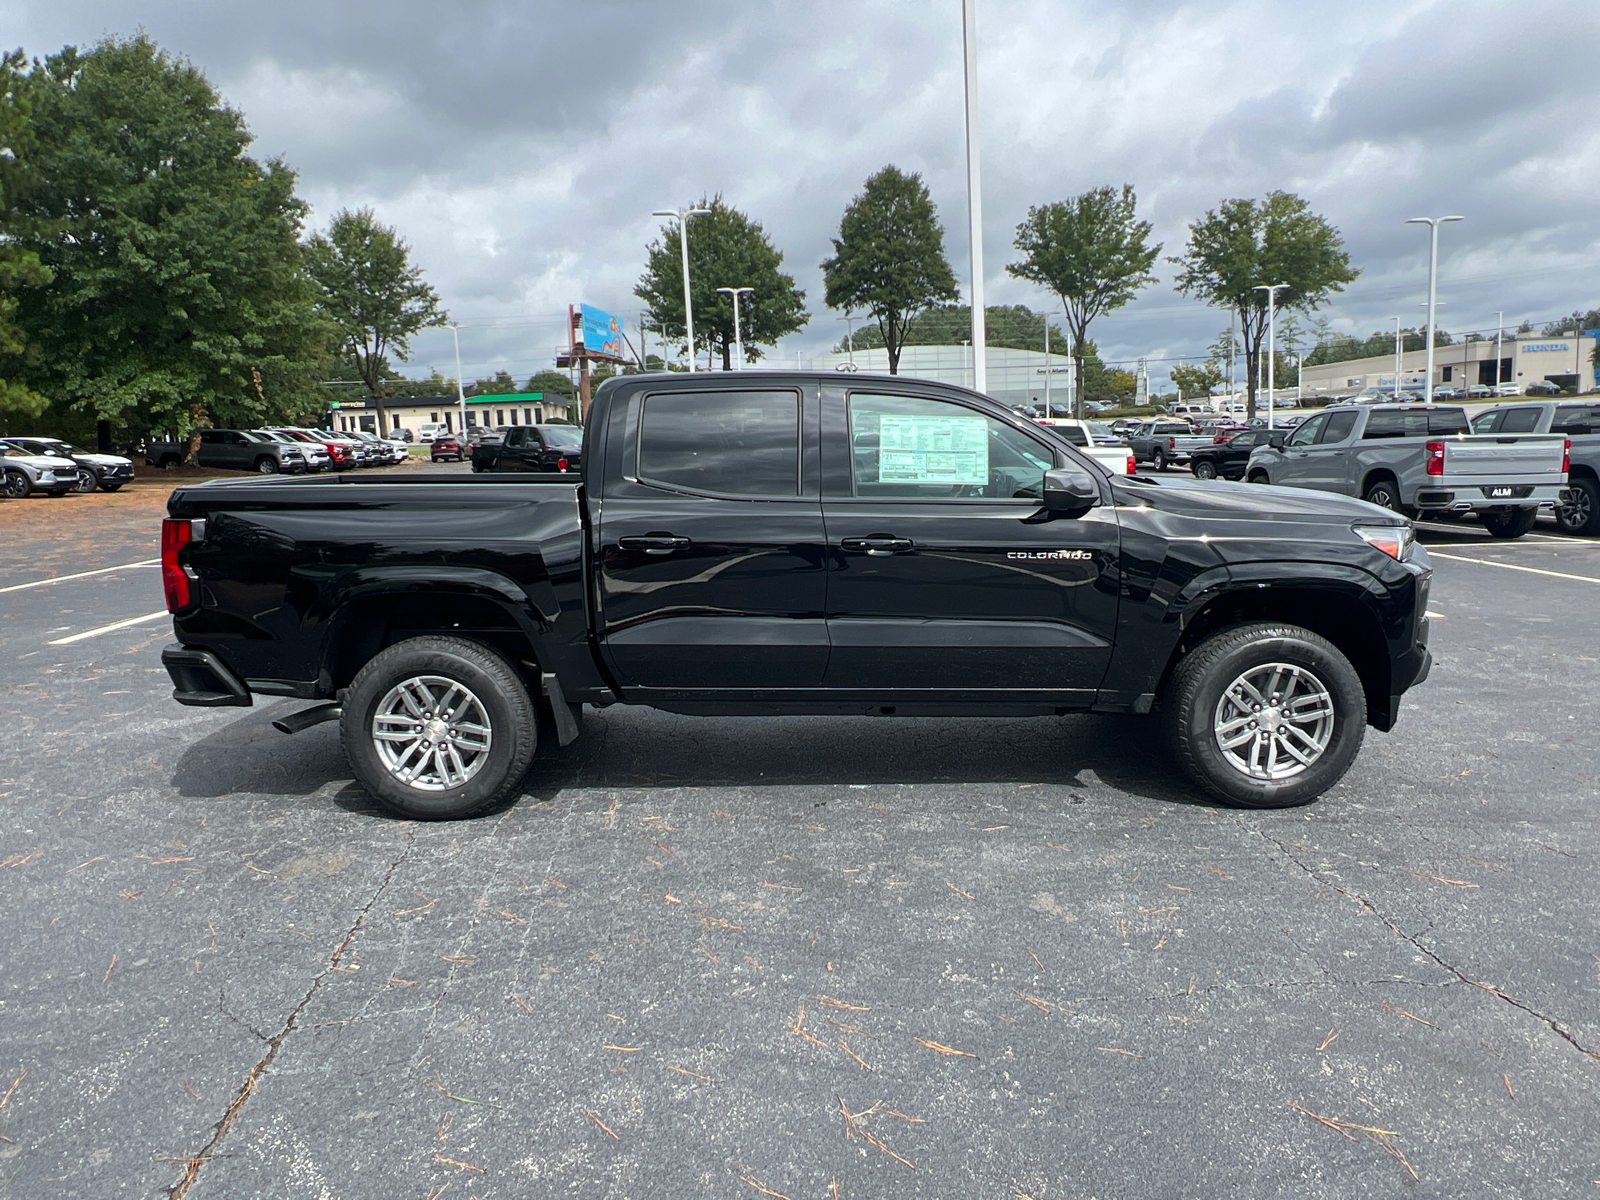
929,449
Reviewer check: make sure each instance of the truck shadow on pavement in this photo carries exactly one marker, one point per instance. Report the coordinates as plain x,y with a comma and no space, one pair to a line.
628,747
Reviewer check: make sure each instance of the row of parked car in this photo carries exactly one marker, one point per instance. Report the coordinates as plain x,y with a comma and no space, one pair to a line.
52,467
289,450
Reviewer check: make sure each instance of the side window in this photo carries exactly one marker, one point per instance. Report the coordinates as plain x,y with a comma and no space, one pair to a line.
732,443
1576,421
1519,420
1338,428
1450,420
1073,434
1308,432
1487,422
516,437
211,438
905,446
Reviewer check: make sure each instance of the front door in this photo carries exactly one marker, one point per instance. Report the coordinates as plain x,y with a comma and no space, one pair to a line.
711,543
945,576
1328,460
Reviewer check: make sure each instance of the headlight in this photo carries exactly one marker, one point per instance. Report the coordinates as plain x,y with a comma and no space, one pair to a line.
1394,540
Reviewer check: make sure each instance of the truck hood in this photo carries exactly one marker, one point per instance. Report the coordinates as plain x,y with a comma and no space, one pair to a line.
1250,501
43,462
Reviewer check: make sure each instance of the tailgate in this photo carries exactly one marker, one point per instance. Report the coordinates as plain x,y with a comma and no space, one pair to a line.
1472,460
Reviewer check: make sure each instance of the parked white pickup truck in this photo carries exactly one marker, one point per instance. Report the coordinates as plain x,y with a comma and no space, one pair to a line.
1114,456
1420,458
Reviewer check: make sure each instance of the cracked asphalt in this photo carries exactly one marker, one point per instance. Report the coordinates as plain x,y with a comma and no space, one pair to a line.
802,957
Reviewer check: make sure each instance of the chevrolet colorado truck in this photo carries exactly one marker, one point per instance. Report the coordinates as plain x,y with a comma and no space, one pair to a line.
795,543
1420,459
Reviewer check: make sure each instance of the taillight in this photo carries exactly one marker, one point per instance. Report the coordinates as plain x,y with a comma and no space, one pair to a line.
175,535
561,464
1172,443
1219,439
1435,458
1133,465
1566,456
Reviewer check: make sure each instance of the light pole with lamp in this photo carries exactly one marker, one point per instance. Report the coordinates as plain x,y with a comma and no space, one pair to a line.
849,320
1397,345
683,215
1499,331
738,342
1433,224
1271,289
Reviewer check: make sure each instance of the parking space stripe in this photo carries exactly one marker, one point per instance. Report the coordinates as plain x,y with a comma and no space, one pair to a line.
1487,562
116,625
17,587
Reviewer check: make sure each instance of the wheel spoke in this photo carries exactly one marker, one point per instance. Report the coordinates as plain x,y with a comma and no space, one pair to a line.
1274,720
1237,739
414,713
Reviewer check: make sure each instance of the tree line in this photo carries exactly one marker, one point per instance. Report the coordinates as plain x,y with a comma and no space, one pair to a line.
1091,252
156,277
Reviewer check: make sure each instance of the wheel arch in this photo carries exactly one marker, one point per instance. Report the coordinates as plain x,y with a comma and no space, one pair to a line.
1334,608
1377,475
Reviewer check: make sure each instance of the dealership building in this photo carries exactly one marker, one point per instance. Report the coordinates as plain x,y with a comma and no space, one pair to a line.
1014,376
1566,360
410,412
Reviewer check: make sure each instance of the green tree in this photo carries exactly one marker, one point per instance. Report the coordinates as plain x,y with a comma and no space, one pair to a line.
888,260
1244,243
551,383
501,385
19,267
178,294
1092,251
726,249
375,298
1193,381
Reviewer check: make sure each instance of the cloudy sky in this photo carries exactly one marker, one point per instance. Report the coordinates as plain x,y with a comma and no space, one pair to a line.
520,147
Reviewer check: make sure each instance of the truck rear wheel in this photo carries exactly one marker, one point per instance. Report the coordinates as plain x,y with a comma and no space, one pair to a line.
438,728
1384,494
1159,461
1266,715
1509,523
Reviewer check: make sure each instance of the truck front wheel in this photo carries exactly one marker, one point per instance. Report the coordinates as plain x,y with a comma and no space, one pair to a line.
1509,523
1266,715
438,728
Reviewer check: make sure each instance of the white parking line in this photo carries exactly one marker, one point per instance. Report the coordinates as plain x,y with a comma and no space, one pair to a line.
1486,562
17,587
116,625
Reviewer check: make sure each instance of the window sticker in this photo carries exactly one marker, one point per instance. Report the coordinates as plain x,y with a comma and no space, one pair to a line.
950,450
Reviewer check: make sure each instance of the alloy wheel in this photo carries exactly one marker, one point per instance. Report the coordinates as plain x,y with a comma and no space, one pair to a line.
1274,721
431,733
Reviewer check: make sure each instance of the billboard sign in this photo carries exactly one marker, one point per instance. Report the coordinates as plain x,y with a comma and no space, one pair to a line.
602,335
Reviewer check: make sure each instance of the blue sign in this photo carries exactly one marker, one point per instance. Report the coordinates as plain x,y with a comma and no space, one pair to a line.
602,334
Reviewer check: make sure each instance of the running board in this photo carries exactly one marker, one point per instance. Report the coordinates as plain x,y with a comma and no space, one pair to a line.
306,718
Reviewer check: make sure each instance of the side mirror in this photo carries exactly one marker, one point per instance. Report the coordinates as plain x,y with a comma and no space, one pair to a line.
1276,440
1070,490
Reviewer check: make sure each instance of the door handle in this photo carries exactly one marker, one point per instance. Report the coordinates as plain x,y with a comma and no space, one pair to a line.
654,543
877,544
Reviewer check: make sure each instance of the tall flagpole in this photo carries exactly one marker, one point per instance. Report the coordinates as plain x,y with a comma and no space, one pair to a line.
969,45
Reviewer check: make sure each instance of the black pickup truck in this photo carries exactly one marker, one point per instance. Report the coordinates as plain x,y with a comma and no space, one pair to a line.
796,543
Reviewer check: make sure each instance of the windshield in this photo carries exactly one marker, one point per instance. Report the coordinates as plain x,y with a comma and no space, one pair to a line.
562,437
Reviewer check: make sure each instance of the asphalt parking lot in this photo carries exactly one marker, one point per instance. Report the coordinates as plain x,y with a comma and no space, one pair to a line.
798,957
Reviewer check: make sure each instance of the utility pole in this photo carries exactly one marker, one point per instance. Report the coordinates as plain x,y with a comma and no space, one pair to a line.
683,215
1433,224
1047,364
969,47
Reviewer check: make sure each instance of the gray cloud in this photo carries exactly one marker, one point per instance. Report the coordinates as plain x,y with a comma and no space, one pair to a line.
521,147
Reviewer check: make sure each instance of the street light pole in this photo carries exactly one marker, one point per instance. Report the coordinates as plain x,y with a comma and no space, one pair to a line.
1499,330
1433,224
969,47
683,215
849,320
461,393
1396,357
738,342
1271,289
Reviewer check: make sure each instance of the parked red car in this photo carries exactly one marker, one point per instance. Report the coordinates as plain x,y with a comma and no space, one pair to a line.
446,448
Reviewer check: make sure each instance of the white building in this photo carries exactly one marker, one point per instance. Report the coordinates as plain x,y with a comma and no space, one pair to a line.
1015,376
1566,360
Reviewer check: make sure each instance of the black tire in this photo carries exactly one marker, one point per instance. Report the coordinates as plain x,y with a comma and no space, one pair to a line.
1509,524
506,708
18,485
88,481
1194,700
170,462
110,487
1205,469
1385,493
266,465
1582,515
1159,461
1259,477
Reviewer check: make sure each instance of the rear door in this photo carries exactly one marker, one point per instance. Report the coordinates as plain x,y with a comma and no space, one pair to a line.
711,574
943,576
1297,468
1327,461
